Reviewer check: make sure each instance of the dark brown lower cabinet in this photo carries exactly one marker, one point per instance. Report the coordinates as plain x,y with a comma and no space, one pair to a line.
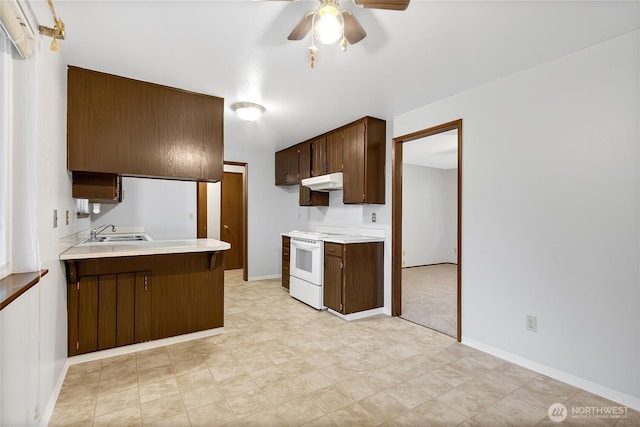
286,247
353,276
113,302
109,311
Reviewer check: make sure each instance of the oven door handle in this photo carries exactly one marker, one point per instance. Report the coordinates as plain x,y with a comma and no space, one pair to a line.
304,245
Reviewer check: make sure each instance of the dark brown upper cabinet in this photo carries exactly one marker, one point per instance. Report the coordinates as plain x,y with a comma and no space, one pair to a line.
304,160
357,149
319,156
334,151
97,187
308,197
363,151
287,166
128,127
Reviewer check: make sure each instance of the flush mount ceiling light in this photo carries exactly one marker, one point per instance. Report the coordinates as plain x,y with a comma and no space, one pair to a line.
248,111
328,23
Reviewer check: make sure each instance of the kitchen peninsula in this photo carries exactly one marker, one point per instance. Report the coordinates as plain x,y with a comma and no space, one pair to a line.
129,292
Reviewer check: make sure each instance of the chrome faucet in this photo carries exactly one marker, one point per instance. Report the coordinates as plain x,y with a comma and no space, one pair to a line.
97,230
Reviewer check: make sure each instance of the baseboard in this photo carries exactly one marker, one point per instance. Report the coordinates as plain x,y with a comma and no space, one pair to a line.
270,276
600,390
358,315
430,265
48,411
127,349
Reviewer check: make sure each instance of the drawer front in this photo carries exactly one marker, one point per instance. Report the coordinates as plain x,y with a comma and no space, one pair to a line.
333,249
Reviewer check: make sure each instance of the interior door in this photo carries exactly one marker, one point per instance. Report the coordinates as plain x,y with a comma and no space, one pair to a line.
231,229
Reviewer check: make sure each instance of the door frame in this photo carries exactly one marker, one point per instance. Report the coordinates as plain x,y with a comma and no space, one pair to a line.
202,212
396,215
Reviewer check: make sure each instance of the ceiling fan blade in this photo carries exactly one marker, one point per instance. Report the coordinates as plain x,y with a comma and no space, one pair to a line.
302,28
353,31
383,4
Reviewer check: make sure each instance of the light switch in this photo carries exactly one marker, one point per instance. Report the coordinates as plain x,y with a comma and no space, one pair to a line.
55,218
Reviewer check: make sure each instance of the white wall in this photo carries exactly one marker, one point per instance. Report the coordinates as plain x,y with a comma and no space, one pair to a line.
213,210
269,211
34,327
550,215
429,215
167,208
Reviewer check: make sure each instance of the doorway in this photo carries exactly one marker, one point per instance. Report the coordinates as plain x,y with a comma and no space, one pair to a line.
444,275
223,209
231,229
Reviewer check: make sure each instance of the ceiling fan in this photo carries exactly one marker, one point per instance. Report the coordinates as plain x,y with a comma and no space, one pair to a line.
328,23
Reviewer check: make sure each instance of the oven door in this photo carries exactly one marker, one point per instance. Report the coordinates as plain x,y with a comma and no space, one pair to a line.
305,260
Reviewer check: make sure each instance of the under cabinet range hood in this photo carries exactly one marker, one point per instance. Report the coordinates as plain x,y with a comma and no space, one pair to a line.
332,181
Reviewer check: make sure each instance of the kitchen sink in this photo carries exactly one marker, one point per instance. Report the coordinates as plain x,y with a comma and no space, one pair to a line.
116,238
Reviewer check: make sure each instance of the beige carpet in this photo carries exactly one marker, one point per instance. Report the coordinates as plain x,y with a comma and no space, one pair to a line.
429,297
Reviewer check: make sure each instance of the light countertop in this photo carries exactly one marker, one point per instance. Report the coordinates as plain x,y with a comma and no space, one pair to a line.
346,239
153,247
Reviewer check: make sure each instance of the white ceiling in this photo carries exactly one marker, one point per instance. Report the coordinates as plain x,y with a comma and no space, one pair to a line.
436,151
239,50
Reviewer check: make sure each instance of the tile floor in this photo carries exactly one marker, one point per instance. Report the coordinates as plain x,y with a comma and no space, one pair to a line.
281,363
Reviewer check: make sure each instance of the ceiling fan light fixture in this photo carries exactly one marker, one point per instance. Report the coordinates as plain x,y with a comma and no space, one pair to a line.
328,23
248,111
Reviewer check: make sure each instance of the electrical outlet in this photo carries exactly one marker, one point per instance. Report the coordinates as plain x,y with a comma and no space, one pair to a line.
67,217
55,218
531,323
373,217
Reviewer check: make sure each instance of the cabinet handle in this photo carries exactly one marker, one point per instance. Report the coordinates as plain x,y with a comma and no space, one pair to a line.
145,283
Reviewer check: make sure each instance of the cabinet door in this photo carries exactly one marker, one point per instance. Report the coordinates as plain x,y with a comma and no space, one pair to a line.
116,310
287,166
107,311
97,187
129,127
143,306
332,290
304,160
319,156
353,151
126,295
304,169
87,297
308,197
363,271
334,152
